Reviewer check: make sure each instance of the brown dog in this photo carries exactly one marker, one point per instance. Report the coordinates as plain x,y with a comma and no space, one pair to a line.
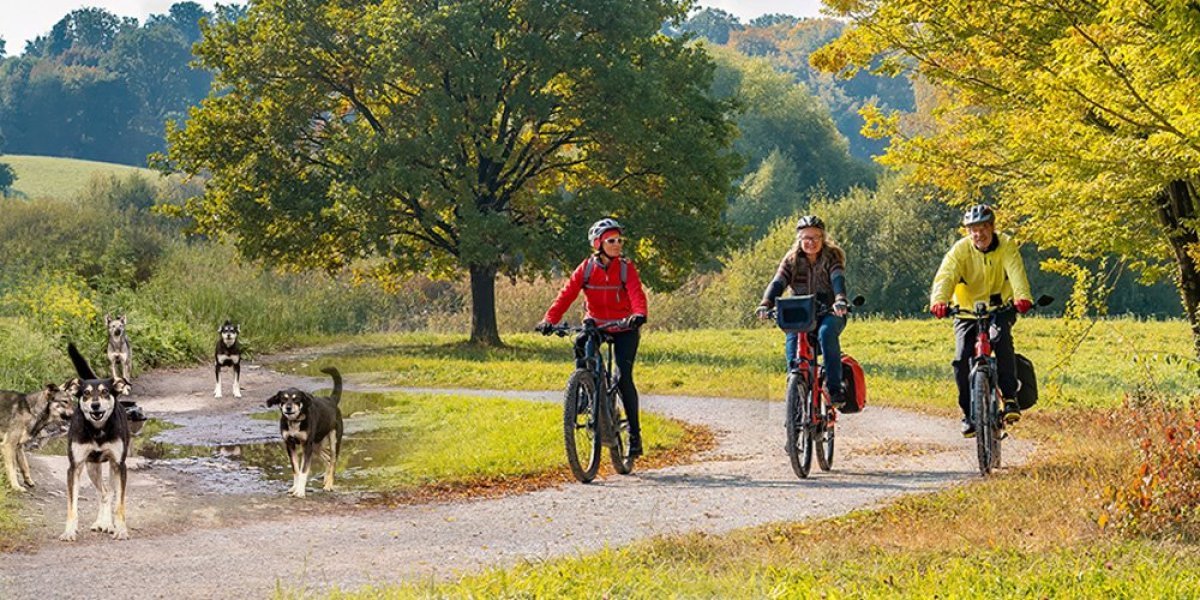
23,417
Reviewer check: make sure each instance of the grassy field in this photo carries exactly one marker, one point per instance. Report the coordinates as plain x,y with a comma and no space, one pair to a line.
55,177
907,362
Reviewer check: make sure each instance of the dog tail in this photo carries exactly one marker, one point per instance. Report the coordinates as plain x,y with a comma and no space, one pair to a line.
337,383
81,367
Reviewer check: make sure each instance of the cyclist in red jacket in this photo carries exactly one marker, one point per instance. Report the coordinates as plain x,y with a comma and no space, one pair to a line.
613,298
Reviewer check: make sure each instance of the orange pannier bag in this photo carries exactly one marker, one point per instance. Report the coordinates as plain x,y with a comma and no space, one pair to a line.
855,385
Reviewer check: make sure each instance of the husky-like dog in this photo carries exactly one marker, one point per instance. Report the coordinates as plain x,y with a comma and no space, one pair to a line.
119,351
23,416
98,434
306,422
228,354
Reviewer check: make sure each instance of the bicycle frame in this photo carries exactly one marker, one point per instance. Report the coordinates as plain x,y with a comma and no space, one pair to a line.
599,362
806,365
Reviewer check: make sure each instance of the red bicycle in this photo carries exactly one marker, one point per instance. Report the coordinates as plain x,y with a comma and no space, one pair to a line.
811,417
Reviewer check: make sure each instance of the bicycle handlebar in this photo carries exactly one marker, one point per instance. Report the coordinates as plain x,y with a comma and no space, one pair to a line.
823,308
564,328
984,310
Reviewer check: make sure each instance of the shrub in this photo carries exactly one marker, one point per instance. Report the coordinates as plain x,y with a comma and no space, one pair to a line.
1161,494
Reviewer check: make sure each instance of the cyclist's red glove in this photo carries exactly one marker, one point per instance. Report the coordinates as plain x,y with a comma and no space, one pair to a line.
1023,305
940,310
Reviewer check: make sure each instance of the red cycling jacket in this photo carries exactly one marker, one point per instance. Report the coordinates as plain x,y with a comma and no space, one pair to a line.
606,300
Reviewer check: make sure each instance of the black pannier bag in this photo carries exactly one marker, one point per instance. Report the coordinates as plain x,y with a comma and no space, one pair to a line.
1027,395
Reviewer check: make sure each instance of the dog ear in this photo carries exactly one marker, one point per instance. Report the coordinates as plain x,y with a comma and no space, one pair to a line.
122,319
53,388
122,386
275,400
72,386
107,318
237,328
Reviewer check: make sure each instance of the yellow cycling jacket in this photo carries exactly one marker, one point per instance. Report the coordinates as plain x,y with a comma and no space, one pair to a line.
973,276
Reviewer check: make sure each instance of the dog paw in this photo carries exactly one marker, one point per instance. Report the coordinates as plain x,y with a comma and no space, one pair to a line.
237,394
68,535
102,527
18,487
120,534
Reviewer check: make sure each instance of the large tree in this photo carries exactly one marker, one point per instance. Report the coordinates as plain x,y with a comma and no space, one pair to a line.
442,136
1082,118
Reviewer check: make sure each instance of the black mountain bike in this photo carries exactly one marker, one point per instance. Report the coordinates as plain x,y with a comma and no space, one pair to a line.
593,413
987,412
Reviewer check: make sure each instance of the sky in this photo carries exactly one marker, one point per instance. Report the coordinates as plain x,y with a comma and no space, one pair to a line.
36,17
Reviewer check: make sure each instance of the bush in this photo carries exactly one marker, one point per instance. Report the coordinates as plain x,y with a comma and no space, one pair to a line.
1161,495
29,358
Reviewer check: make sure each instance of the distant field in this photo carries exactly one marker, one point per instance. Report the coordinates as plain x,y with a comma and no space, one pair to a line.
49,176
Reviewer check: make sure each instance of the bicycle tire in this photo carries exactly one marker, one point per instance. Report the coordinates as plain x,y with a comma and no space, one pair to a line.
799,438
580,436
619,452
981,414
825,436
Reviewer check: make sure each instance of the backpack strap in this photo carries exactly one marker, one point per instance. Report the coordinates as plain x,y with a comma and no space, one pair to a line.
590,266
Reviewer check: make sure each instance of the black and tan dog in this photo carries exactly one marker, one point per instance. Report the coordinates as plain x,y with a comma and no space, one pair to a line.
306,422
119,352
99,433
23,417
228,354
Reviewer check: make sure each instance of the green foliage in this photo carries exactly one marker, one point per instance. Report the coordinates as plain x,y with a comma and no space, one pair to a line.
7,178
29,358
99,86
781,122
475,135
1080,117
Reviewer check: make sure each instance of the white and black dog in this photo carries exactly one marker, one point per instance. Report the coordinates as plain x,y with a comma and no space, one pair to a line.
119,352
306,422
99,433
22,417
228,354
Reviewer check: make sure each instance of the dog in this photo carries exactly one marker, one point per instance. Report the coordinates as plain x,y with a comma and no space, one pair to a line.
228,354
24,417
306,422
119,352
99,433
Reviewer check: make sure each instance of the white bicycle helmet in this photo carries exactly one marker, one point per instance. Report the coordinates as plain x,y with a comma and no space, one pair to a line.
599,227
980,213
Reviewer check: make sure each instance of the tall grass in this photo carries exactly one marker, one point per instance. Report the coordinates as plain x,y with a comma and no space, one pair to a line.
56,177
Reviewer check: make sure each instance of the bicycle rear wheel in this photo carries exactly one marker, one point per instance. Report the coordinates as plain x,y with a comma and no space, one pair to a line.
619,452
825,436
580,435
982,415
799,432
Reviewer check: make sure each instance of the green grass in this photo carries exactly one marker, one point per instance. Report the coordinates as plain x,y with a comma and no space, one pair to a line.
449,440
907,361
64,178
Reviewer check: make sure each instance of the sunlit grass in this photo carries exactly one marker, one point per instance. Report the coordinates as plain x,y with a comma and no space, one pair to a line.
907,361
57,177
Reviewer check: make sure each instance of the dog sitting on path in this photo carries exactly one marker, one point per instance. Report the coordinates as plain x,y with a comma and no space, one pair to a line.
306,422
22,417
228,354
99,433
119,352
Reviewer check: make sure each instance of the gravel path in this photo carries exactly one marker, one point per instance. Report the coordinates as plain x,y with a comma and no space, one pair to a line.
205,529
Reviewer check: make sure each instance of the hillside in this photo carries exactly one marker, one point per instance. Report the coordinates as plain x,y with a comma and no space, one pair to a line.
42,176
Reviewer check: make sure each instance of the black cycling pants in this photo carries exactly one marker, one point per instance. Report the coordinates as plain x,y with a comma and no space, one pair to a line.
625,347
1002,346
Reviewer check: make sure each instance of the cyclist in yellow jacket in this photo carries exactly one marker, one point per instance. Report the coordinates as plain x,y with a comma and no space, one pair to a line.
985,267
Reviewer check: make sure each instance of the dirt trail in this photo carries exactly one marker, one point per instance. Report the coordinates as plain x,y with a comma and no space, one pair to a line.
211,527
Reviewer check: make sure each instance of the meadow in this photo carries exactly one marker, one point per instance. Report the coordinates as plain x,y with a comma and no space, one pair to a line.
56,177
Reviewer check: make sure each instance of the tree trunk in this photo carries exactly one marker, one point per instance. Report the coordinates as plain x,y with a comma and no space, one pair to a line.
1177,208
484,331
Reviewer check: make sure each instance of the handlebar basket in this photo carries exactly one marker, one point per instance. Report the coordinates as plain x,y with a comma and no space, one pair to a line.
797,313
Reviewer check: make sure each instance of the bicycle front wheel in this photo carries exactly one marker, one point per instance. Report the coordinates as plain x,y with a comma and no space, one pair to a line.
619,451
799,431
580,434
982,414
824,436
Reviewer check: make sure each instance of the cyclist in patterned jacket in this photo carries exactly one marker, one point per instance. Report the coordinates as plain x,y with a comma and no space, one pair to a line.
986,267
613,297
814,265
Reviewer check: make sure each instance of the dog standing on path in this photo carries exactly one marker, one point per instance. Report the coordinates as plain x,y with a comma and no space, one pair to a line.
23,416
306,422
99,433
119,351
228,354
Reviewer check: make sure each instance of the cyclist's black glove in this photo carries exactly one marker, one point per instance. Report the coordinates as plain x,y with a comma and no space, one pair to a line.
544,328
635,321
